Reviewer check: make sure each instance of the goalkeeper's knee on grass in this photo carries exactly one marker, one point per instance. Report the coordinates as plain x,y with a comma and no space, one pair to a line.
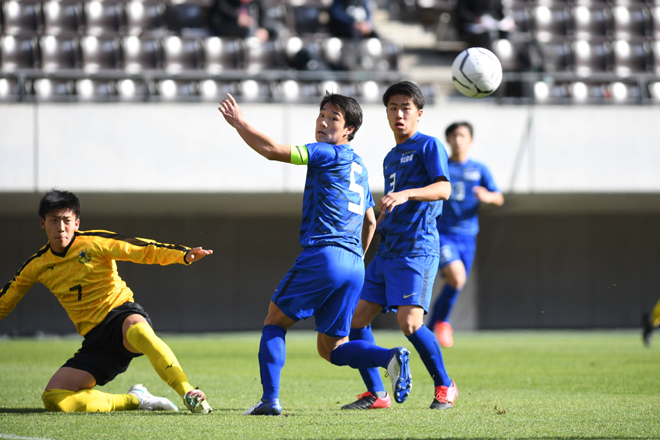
142,337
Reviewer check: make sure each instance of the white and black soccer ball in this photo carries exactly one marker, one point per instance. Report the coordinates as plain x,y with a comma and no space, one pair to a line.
476,72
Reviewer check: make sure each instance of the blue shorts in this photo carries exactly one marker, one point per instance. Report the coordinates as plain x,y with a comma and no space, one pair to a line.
403,281
324,282
454,247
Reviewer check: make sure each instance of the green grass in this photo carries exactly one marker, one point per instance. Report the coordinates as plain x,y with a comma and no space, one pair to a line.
533,385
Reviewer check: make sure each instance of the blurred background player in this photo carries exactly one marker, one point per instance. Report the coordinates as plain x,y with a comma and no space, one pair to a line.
243,19
649,322
79,268
400,277
351,19
337,226
471,185
482,22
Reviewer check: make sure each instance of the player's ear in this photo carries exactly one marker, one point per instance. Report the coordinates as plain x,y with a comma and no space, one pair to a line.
43,223
77,225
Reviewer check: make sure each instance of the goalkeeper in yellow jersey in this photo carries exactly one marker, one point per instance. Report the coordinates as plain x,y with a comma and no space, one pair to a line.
79,268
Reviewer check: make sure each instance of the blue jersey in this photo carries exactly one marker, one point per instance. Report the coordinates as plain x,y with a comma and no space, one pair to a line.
336,197
410,230
460,214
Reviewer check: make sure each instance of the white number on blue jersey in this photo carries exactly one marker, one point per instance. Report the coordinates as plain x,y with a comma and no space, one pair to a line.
458,191
392,182
357,188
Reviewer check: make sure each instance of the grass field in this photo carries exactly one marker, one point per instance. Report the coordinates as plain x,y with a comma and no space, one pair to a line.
532,385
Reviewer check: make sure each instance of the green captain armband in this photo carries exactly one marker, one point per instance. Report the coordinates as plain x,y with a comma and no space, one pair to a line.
299,155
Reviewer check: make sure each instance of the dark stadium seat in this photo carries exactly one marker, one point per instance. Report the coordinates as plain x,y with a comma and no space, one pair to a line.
141,54
654,91
95,89
377,54
592,57
263,55
623,92
251,90
145,18
655,51
100,53
191,20
104,18
64,19
221,54
558,56
292,91
631,57
10,89
176,90
22,18
133,90
592,22
59,53
18,53
551,22
47,89
214,90
655,18
181,54
631,22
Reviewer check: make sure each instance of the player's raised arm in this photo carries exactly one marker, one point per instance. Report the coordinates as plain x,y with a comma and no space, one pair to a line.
258,141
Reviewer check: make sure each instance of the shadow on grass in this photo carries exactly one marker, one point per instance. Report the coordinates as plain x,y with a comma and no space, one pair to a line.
22,410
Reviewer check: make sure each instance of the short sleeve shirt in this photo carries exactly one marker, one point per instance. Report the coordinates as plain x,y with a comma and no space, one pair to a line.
336,197
410,229
460,213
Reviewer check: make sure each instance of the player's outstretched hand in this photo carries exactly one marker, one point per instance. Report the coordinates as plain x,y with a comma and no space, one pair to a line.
197,253
231,111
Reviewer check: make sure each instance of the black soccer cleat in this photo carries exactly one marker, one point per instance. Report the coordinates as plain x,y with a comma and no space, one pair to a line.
369,401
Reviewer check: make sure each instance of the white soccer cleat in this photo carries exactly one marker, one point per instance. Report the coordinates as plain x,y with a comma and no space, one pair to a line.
149,402
196,402
399,371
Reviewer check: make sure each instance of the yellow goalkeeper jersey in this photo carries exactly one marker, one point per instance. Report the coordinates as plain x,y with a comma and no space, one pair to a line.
84,278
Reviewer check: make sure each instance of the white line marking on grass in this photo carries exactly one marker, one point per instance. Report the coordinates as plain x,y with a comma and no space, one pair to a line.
18,437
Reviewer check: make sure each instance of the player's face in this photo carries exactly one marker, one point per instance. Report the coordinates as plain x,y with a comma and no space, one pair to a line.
460,141
60,225
403,116
330,126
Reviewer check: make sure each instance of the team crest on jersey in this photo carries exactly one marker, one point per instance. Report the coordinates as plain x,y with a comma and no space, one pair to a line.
407,156
472,174
84,257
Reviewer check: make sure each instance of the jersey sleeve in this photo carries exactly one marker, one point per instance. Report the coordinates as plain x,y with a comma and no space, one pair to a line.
436,160
15,290
139,250
487,180
321,154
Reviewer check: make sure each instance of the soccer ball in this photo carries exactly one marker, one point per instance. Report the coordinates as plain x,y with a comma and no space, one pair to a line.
476,72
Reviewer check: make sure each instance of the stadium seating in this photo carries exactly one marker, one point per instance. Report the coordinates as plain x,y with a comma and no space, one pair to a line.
170,46
63,18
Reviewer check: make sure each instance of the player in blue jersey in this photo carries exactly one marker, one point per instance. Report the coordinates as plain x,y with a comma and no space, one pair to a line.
400,277
337,227
471,185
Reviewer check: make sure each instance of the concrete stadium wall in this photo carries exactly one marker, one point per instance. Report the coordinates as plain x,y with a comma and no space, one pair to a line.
189,148
574,246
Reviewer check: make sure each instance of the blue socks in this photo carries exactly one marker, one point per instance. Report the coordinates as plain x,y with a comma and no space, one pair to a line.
272,355
428,348
444,304
370,376
360,354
